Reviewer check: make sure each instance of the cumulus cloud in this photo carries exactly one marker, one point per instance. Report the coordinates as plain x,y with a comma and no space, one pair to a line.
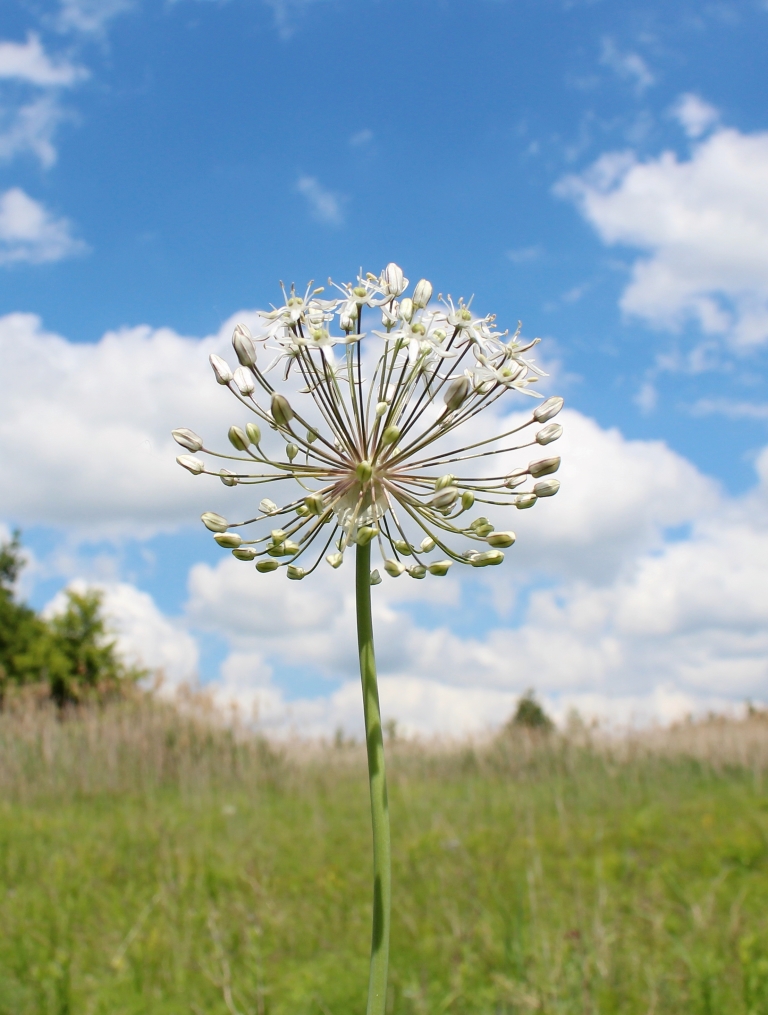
324,205
30,127
702,224
694,115
28,61
628,66
90,17
29,233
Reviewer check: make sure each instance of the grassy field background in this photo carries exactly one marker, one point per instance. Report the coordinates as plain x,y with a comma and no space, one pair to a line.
152,863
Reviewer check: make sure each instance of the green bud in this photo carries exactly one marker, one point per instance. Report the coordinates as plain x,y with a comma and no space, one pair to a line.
417,571
394,568
390,435
254,433
546,488
335,559
381,408
440,567
402,547
364,471
501,539
289,547
295,573
489,557
282,413
228,539
444,481
267,565
291,450
228,478
276,550
525,500
365,534
278,536
375,578
312,436
244,553
456,393
445,498
467,500
427,544
314,503
302,511
238,438
545,467
214,522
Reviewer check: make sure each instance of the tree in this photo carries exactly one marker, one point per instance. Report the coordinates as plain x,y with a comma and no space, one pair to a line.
530,714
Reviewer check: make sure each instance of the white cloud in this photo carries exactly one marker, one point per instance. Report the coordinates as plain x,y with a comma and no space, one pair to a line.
29,233
90,16
694,115
521,255
703,225
730,408
361,138
30,128
28,61
629,66
324,205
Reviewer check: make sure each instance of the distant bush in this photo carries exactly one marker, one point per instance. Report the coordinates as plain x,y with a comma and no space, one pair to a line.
530,714
71,655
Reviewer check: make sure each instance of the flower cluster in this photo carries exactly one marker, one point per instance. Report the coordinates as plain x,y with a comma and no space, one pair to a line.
372,455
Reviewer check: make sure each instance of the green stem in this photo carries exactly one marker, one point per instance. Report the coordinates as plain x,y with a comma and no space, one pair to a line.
382,866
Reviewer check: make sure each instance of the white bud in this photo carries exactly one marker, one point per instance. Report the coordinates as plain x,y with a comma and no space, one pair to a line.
381,409
365,534
268,507
440,567
549,433
254,433
406,309
402,547
214,522
456,393
501,539
546,488
394,568
548,409
427,544
228,539
295,573
244,347
220,369
422,294
278,536
194,465
444,498
516,479
347,320
238,438
375,577
187,438
244,553
244,380
525,500
392,281
228,478
289,547
282,413
417,571
486,558
544,467
335,559
267,565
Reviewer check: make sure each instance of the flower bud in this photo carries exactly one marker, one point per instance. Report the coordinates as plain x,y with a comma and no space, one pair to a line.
295,573
481,527
545,467
289,547
444,498
267,565
390,435
194,465
291,451
402,547
394,568
245,350
501,539
548,409
267,506
220,369
335,559
254,433
456,393
486,558
515,479
312,436
214,522
381,409
244,553
549,433
427,544
278,536
238,438
282,413
443,481
417,571
406,309
314,503
422,294
546,488
244,380
228,539
347,319
364,471
375,577
365,534
228,478
440,567
392,281
525,500
187,438
303,511
467,500
276,550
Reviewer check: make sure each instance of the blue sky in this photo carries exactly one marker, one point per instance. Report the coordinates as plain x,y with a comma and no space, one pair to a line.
597,169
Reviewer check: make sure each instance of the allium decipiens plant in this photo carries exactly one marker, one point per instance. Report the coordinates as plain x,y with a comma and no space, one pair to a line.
370,460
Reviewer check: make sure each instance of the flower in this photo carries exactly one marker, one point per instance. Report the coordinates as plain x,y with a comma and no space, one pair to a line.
368,451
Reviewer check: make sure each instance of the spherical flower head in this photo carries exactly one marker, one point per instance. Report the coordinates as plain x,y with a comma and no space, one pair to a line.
370,441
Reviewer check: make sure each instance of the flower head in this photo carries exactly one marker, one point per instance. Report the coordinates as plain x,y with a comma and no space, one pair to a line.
370,452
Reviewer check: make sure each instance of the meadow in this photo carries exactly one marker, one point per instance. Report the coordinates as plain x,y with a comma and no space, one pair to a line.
154,862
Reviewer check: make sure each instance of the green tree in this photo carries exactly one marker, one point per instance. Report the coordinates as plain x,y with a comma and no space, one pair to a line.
529,713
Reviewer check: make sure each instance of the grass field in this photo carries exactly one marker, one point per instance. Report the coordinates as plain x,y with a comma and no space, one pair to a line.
153,864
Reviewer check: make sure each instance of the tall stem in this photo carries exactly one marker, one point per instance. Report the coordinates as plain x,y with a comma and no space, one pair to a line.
382,866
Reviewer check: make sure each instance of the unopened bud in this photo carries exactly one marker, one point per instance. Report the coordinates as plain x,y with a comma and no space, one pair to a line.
440,567
267,565
364,471
545,467
267,506
220,369
214,522
278,536
303,511
549,433
375,577
548,409
513,481
187,438
244,380
456,393
276,550
444,498
314,503
244,347
402,547
444,481
254,433
406,309
427,544
392,281
365,534
417,571
486,558
194,465
238,438
422,294
467,500
335,559
228,478
282,413
381,409
390,435
289,547
228,539
244,553
501,539
525,500
295,573
312,436
394,568
481,527
291,451
546,488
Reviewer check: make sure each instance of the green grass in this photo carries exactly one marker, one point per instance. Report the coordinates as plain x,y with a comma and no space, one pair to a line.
184,873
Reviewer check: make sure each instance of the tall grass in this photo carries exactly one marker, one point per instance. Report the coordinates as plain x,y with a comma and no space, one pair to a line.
155,861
